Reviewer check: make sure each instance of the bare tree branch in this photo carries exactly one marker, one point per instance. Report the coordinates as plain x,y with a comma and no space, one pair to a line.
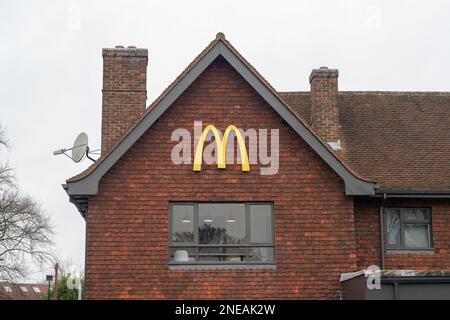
3,140
25,228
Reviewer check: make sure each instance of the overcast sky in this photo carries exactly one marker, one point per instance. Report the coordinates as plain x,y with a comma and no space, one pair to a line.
51,66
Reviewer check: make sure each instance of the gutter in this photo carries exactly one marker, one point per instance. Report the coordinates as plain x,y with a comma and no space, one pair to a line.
425,193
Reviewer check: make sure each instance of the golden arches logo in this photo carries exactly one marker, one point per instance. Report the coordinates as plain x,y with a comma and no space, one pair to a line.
221,145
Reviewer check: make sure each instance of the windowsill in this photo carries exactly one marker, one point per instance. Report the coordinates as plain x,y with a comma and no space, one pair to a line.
410,250
246,266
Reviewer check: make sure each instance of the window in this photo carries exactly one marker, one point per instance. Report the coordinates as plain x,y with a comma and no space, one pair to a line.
24,289
37,290
7,288
221,233
408,228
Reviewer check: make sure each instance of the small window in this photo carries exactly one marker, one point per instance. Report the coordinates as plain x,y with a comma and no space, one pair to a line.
24,289
260,223
36,289
221,233
183,224
408,228
7,289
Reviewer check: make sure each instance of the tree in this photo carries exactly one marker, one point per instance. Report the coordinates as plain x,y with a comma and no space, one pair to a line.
25,228
65,290
209,234
70,278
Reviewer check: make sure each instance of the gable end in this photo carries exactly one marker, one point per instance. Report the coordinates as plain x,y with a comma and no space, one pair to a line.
82,187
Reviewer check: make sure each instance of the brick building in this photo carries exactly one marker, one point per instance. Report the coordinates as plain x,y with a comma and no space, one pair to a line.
22,291
335,182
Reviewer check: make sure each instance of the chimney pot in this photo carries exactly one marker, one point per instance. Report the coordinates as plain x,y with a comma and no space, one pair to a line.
119,46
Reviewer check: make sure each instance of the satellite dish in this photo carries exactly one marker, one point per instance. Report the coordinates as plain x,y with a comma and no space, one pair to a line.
79,147
79,150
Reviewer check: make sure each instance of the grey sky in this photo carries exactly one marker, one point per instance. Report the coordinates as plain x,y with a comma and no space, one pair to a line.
51,65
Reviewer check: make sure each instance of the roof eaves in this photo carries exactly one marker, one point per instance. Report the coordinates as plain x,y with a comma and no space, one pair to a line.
416,193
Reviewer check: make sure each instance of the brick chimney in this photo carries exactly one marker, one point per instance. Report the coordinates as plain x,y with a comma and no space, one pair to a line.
124,91
324,107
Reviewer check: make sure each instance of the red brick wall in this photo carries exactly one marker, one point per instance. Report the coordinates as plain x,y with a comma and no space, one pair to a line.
127,224
124,93
367,221
324,105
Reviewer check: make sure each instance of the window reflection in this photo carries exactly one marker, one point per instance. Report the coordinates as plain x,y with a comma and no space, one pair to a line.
216,233
183,223
261,254
231,254
408,227
221,223
260,223
393,226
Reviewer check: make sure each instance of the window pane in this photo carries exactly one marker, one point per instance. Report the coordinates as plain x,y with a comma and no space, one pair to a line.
182,254
230,254
261,223
416,214
182,223
417,235
221,223
261,254
392,218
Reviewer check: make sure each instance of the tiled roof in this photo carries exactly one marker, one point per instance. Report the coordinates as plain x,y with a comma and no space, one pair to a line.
22,291
399,139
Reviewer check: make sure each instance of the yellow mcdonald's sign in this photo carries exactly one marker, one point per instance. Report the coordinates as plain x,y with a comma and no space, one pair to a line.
221,145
